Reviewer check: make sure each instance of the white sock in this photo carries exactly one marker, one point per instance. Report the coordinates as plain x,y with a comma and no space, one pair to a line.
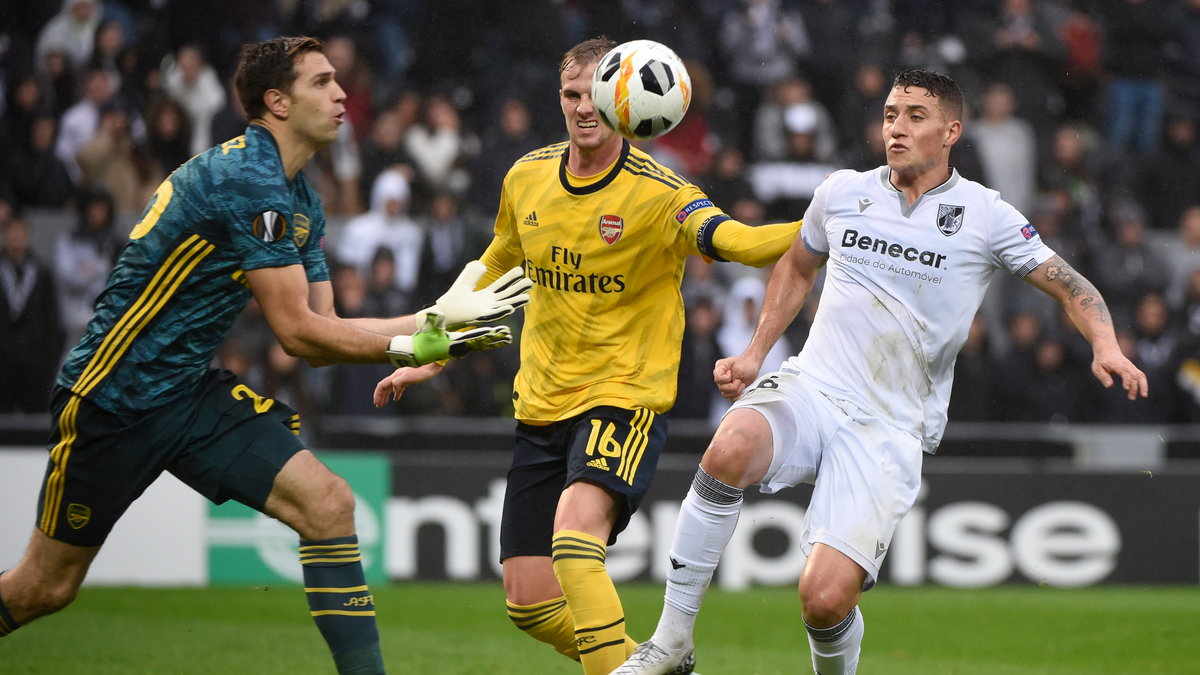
706,521
835,650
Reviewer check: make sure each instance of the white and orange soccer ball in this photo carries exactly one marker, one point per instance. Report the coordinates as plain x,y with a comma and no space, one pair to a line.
641,89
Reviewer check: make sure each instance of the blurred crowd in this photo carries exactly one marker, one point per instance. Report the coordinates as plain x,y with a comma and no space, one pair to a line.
1083,114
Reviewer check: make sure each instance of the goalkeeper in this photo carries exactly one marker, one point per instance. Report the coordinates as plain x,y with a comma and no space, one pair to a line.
137,397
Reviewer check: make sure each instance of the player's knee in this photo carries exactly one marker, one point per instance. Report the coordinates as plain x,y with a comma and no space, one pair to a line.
731,459
328,511
822,605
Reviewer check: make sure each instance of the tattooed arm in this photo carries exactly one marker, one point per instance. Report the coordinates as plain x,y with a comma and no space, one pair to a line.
1090,315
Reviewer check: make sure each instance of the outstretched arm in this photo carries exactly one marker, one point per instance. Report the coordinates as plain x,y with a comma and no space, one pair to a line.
790,283
1091,317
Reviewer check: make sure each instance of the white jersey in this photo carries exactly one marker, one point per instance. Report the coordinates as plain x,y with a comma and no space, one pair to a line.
902,286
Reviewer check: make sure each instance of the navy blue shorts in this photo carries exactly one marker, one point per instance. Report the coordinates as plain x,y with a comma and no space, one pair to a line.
612,447
223,440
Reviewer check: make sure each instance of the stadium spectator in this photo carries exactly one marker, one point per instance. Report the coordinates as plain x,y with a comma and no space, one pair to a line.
384,147
72,32
1169,179
1007,147
1020,46
57,81
1183,54
975,398
337,172
727,183
387,224
761,43
739,318
114,161
30,325
1082,76
354,75
786,185
451,241
502,144
1182,254
109,45
81,121
1159,347
697,400
440,149
773,127
83,259
382,293
23,102
858,105
169,133
855,411
189,79
1134,56
1130,265
37,176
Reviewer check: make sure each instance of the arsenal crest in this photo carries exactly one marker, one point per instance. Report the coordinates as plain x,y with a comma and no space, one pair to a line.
949,218
301,226
611,228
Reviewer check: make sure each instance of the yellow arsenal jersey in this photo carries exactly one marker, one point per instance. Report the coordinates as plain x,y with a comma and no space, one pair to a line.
606,254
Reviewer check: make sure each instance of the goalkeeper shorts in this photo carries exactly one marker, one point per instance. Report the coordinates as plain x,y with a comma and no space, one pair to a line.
612,447
222,439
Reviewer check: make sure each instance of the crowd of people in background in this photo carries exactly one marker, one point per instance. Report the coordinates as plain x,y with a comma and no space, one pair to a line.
1083,114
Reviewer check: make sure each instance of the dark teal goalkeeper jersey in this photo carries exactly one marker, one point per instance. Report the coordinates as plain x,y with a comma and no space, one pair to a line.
179,284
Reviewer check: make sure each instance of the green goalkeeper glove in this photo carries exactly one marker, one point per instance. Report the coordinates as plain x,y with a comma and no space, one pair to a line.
432,342
462,305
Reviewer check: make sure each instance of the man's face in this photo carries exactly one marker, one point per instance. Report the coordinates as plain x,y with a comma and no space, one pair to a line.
316,111
584,127
915,130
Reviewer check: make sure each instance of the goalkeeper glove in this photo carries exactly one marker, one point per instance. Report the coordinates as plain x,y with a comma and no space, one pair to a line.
432,342
462,305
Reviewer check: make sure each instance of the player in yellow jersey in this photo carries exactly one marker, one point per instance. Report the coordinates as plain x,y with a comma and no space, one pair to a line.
603,231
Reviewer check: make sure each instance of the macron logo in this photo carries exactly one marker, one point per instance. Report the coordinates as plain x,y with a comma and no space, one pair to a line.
864,203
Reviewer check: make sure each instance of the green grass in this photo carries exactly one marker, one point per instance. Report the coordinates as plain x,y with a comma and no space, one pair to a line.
461,628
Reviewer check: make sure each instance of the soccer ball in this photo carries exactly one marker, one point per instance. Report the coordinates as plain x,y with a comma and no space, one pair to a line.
641,89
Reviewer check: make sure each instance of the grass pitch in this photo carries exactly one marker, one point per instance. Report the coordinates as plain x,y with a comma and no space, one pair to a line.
449,629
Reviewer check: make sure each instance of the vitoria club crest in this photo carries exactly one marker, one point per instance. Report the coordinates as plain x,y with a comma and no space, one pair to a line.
611,228
950,218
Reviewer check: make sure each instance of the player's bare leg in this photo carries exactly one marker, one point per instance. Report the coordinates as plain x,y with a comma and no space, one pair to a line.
46,580
830,588
738,456
536,603
319,506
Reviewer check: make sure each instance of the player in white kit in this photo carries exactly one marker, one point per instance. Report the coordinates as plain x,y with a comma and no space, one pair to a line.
910,248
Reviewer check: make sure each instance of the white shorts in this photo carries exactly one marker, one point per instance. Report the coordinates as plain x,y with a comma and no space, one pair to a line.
866,473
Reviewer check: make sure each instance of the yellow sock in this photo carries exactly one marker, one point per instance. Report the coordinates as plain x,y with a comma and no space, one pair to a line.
550,622
599,618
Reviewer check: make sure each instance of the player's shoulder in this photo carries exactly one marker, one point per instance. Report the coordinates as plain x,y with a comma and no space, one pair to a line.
979,195
641,164
548,153
248,164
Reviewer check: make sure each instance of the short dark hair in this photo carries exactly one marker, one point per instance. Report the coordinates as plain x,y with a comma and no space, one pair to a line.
945,89
263,66
588,51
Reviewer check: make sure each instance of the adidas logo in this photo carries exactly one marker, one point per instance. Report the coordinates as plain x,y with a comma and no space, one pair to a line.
530,220
599,463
